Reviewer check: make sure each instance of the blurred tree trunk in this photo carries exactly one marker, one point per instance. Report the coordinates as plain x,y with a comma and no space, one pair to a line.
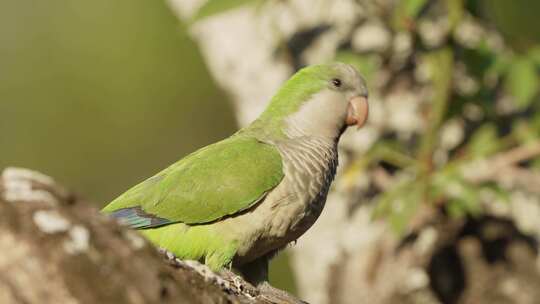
55,248
347,257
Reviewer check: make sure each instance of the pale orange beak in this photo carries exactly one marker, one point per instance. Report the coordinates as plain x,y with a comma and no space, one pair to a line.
357,111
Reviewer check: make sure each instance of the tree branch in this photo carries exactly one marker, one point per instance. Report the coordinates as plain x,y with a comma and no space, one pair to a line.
56,248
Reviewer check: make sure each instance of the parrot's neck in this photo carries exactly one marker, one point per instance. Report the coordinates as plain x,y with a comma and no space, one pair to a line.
323,116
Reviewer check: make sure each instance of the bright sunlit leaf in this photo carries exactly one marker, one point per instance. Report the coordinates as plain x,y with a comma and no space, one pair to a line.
522,81
484,141
406,12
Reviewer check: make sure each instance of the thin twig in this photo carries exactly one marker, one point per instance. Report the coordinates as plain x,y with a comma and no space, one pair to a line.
503,167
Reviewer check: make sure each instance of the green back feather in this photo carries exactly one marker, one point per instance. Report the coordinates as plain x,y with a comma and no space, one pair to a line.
218,180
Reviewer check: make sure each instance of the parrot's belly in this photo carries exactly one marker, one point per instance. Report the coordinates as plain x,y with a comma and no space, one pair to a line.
293,206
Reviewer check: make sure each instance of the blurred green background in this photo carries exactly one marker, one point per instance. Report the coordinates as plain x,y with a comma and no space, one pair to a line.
102,94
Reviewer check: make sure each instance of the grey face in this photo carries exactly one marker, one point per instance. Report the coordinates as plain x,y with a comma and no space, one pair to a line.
342,103
348,81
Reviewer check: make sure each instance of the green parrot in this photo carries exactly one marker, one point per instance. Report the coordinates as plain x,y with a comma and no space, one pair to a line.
237,202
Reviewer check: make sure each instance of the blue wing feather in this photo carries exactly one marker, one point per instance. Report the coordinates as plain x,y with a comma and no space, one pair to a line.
135,217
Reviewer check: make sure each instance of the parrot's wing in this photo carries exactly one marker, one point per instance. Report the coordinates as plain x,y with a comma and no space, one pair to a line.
219,180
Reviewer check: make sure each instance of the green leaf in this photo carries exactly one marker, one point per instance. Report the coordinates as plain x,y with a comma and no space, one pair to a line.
497,191
482,61
535,121
501,65
404,209
441,63
455,11
534,54
470,198
524,131
406,12
535,163
411,8
522,81
399,204
462,197
214,7
484,141
456,209
467,201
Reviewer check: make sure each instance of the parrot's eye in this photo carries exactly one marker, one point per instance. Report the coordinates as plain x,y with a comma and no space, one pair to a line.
336,82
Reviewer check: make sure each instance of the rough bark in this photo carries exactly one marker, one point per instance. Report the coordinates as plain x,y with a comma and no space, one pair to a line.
57,248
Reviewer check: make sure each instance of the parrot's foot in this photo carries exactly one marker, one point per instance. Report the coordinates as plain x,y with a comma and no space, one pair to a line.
256,273
238,284
275,295
168,255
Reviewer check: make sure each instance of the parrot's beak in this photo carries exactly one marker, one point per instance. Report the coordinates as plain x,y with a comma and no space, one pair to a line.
357,111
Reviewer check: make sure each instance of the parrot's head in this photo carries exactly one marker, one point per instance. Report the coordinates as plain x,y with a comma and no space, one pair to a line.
319,100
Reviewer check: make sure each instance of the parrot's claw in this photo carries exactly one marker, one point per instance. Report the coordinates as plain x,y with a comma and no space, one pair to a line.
238,284
168,255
